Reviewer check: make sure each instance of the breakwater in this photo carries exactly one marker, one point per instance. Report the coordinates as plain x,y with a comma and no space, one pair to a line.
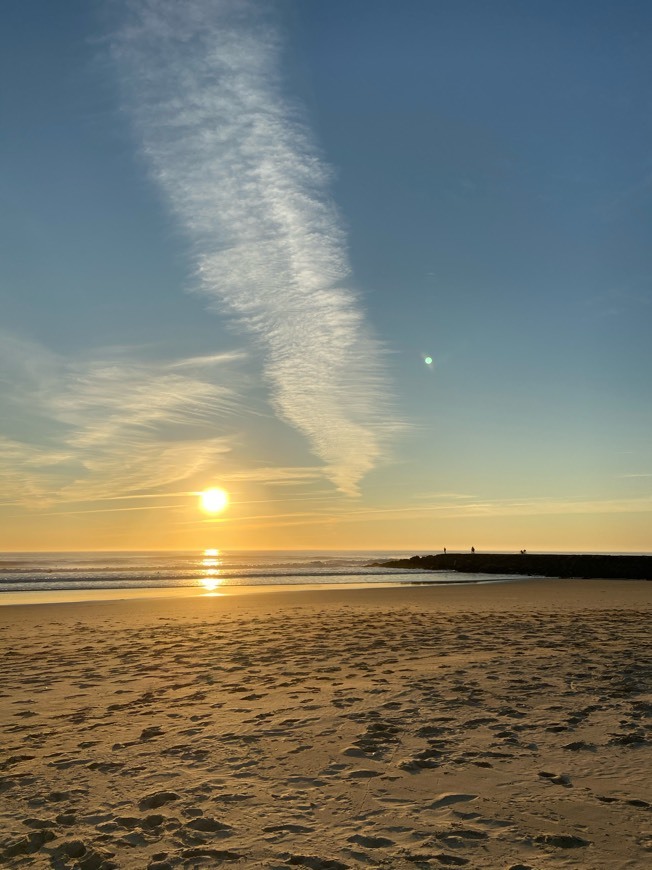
542,564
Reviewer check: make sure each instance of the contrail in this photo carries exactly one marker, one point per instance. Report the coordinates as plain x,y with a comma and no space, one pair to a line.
239,167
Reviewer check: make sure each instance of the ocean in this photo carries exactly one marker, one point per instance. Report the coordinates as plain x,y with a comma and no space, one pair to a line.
208,570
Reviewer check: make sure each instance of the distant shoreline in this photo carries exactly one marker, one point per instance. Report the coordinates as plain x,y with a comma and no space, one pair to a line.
542,564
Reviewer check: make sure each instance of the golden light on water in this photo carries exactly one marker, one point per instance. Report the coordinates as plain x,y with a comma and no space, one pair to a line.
214,500
210,572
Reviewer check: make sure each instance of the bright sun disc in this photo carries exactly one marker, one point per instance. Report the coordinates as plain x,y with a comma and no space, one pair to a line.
213,500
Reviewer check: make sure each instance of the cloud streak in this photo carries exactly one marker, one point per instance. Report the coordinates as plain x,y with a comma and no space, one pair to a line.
484,510
240,170
106,428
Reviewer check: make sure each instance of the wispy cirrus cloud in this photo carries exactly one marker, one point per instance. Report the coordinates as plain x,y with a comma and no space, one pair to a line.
278,476
241,171
327,515
77,430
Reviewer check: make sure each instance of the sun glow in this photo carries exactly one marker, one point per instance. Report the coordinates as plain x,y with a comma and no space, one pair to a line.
210,570
212,501
210,581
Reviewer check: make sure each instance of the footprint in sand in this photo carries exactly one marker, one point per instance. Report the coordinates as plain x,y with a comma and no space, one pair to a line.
206,825
460,836
557,778
562,841
371,842
288,828
314,862
441,857
362,773
157,799
449,798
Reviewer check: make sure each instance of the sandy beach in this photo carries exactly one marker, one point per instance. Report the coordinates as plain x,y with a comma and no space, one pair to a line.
498,726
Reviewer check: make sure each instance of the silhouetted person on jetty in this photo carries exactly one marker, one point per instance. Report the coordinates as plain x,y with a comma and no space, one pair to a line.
473,549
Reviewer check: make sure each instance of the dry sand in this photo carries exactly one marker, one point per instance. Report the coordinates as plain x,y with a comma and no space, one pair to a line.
483,727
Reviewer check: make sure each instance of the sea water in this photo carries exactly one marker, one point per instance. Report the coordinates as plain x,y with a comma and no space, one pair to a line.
210,570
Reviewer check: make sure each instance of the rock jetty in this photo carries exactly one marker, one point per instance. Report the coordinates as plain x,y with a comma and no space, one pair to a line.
541,564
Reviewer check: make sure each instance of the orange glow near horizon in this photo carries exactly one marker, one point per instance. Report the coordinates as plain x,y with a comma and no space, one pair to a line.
288,526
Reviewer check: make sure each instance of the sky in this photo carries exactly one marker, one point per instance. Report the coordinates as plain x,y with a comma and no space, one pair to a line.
379,270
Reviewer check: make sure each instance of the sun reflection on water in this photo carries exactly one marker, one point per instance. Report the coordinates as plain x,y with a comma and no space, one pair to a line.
210,572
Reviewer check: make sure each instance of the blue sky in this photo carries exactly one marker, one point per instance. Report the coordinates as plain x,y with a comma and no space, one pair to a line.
231,236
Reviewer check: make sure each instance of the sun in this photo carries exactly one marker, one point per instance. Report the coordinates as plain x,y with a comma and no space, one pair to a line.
213,500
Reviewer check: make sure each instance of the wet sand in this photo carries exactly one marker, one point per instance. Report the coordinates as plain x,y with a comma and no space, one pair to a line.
497,726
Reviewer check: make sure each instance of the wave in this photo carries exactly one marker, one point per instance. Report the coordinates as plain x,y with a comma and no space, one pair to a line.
27,572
